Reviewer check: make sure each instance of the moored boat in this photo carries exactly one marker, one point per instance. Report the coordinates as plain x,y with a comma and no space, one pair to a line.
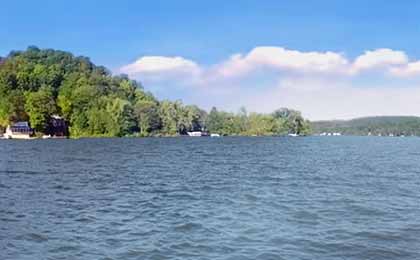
197,133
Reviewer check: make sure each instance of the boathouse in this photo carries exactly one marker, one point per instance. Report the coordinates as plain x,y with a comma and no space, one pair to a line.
19,130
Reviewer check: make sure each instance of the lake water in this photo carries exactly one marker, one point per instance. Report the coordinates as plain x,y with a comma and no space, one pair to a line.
211,198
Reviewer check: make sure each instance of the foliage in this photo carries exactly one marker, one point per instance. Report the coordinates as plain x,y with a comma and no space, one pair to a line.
40,105
281,122
380,125
147,116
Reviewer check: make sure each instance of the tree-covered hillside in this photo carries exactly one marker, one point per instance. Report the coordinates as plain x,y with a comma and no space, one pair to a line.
380,125
36,84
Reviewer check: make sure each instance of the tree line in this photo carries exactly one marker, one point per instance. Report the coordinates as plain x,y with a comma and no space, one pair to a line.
36,84
378,125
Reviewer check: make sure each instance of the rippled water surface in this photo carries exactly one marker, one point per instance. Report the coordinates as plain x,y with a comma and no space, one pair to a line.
210,198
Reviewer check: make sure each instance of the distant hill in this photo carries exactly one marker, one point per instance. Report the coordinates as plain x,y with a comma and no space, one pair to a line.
378,125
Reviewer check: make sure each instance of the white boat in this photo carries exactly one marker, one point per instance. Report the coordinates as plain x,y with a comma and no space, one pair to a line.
198,133
293,135
214,135
195,133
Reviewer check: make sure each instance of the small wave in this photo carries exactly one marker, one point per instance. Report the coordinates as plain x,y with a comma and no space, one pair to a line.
33,237
269,256
65,248
188,227
133,253
23,172
250,197
61,187
9,220
86,219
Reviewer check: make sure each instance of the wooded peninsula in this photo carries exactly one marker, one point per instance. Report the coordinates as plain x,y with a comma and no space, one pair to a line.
39,84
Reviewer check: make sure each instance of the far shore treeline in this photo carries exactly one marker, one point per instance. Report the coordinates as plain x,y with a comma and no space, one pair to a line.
37,84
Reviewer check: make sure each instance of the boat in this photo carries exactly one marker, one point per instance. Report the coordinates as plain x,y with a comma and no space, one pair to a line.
293,135
214,135
197,133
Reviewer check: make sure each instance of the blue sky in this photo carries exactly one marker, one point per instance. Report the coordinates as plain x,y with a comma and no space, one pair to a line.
207,33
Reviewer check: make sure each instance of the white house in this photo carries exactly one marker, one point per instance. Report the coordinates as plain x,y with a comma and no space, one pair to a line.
19,130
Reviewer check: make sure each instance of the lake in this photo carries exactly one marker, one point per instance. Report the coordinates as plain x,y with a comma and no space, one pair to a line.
211,198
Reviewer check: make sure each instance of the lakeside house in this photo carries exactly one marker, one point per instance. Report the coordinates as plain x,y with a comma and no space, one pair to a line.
57,128
19,130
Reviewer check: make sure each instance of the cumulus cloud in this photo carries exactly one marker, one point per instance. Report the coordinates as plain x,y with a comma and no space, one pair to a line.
283,59
380,58
160,67
324,85
409,70
278,59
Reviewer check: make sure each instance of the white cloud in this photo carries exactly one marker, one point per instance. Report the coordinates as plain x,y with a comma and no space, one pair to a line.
410,69
324,85
380,58
282,59
276,59
159,67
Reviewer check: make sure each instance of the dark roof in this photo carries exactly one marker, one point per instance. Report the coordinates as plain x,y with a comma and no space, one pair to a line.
21,127
21,124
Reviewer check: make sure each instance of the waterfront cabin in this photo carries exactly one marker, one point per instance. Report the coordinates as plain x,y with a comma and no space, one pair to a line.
57,128
19,130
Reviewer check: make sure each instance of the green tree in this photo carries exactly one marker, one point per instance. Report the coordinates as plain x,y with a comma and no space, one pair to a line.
121,113
294,121
260,124
170,113
16,106
40,105
147,115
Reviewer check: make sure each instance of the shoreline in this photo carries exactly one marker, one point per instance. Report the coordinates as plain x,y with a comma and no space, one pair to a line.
202,137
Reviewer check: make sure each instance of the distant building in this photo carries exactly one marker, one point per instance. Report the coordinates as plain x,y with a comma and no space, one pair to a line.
57,128
19,130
